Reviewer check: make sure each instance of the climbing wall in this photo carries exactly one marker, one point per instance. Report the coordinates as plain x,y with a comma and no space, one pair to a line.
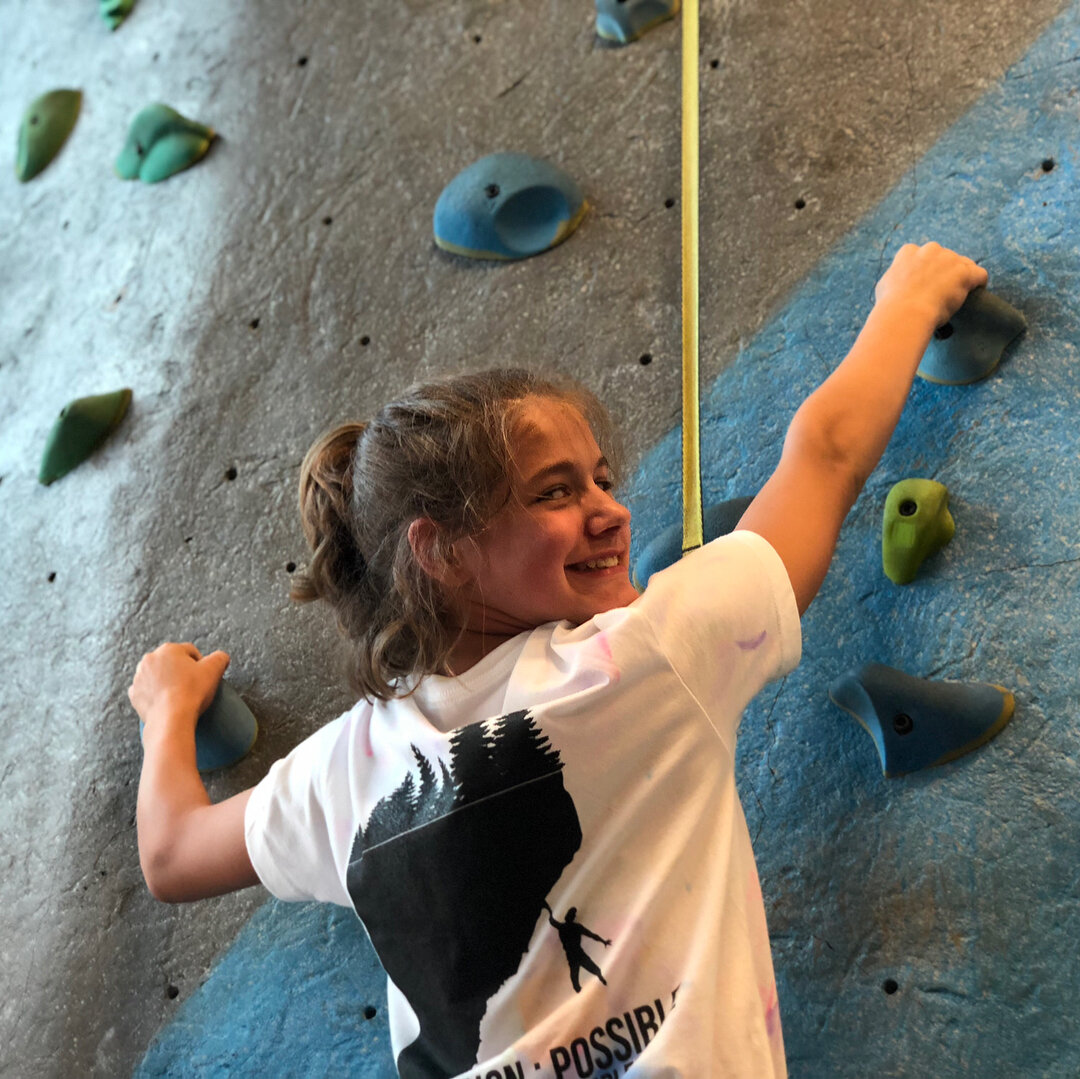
290,279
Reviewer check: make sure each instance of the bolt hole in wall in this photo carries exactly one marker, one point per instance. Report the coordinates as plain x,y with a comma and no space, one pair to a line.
230,473
645,359
800,204
172,992
370,1012
52,577
328,220
668,203
1048,164
302,62
890,986
254,323
290,567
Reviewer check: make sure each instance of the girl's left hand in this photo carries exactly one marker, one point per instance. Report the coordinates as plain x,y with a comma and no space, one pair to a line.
176,679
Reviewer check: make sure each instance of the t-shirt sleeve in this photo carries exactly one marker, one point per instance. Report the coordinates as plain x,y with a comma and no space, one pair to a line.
294,836
726,618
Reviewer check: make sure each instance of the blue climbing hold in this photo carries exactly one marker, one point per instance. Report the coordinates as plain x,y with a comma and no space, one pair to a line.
665,549
917,723
226,731
507,206
970,345
626,20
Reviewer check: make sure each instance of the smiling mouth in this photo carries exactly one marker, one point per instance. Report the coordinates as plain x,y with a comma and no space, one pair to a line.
595,563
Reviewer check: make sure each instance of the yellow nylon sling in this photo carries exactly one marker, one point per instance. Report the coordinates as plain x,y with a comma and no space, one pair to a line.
693,532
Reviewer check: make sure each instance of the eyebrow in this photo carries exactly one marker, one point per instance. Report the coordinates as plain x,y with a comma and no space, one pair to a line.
561,468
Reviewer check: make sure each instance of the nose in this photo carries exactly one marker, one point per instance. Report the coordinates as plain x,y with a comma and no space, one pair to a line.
605,513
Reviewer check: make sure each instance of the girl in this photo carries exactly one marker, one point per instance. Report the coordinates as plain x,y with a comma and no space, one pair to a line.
532,807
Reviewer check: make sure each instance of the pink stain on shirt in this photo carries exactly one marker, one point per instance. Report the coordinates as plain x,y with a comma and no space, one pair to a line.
771,1003
755,642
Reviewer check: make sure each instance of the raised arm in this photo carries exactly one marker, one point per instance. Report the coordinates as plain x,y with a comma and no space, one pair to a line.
841,430
189,848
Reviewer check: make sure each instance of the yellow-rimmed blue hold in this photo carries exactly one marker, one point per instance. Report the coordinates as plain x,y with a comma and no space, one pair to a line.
626,20
507,206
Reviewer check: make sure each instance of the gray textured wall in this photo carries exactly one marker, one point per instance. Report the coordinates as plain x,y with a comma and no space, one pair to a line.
106,284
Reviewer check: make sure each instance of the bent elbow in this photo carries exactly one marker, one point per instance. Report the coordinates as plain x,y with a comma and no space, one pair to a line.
159,882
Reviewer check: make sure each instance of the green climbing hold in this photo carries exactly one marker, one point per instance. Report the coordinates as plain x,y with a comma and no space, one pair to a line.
225,733
114,12
970,345
80,428
626,20
917,524
918,723
160,143
45,126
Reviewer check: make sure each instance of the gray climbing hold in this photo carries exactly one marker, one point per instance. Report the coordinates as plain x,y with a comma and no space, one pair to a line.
917,723
226,731
970,345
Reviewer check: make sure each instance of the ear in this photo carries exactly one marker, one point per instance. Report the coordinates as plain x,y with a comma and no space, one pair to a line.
438,564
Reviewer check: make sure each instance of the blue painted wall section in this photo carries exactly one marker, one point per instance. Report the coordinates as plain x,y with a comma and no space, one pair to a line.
921,926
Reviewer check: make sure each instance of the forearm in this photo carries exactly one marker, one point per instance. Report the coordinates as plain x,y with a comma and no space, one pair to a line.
170,788
850,418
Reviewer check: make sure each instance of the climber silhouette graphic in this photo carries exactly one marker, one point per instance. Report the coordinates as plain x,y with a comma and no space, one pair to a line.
570,934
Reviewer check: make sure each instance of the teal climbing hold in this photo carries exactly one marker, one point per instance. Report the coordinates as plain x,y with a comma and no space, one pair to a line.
161,143
665,549
507,206
917,524
81,427
45,126
225,732
114,12
970,345
917,723
626,20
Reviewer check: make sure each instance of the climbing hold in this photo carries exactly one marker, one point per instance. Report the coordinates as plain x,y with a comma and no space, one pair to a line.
45,125
917,723
507,206
225,733
161,142
80,428
665,549
970,345
917,524
626,20
114,12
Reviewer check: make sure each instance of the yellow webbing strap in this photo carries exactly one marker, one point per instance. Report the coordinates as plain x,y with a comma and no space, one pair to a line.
693,533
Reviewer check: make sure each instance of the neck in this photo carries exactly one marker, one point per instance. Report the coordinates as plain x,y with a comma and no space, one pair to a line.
470,648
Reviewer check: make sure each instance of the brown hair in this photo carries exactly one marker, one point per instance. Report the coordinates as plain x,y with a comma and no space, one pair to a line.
441,451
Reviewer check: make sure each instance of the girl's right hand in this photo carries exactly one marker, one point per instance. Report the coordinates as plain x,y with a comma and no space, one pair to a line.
931,280
176,679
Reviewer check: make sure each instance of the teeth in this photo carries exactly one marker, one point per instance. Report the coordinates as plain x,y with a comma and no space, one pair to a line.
601,563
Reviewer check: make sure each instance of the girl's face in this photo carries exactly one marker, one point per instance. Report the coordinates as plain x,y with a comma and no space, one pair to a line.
559,549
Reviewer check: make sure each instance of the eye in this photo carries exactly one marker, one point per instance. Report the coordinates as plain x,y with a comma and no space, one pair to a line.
560,490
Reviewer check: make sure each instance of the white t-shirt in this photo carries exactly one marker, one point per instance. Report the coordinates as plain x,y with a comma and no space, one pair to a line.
548,851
